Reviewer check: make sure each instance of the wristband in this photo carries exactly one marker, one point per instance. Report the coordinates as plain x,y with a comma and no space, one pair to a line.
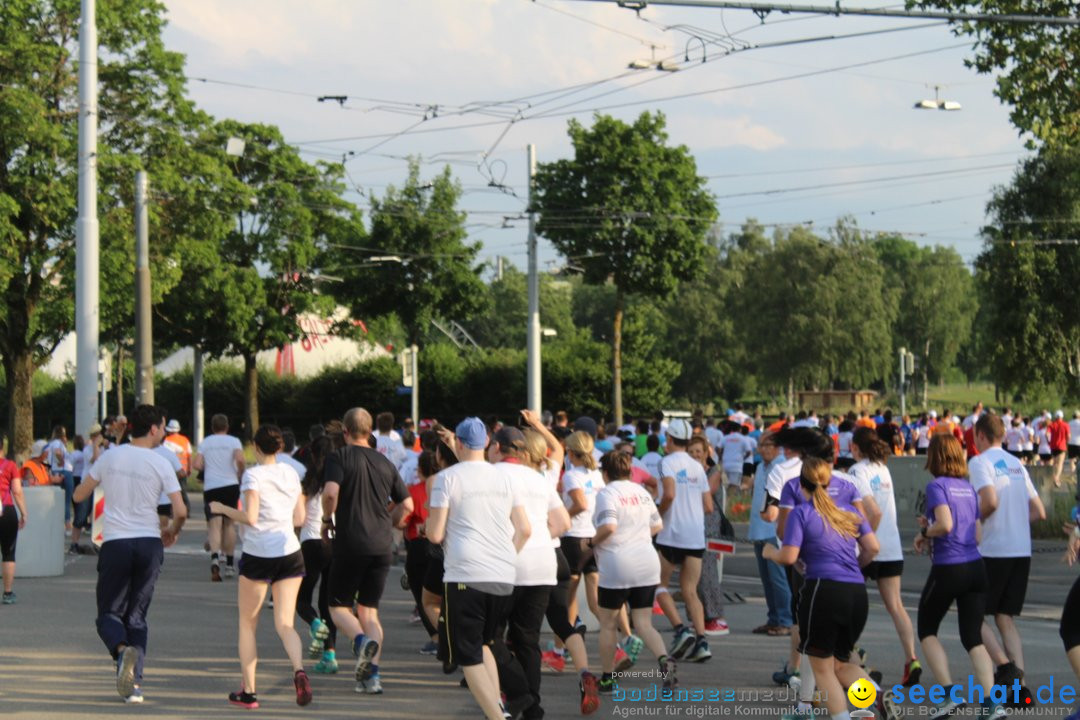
328,521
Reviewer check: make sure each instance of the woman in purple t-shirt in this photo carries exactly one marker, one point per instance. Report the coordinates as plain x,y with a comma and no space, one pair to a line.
833,607
951,530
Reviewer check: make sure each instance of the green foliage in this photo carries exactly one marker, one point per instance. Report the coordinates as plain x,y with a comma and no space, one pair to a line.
504,324
1027,274
1035,64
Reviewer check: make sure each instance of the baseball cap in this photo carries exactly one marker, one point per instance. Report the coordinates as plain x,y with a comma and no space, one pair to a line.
1059,414
586,424
509,436
932,413
172,426
95,429
38,448
472,433
680,429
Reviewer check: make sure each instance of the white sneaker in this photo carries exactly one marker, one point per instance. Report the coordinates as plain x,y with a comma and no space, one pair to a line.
135,697
228,571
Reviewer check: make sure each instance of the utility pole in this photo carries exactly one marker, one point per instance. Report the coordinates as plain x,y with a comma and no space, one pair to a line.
533,346
903,383
198,416
414,353
87,261
144,357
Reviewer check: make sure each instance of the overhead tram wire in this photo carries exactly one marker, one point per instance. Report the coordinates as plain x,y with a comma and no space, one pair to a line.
832,168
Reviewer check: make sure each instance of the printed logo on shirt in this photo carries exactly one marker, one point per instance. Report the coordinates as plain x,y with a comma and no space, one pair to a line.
682,478
875,483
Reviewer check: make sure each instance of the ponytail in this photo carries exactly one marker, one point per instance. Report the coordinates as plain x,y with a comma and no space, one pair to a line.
815,478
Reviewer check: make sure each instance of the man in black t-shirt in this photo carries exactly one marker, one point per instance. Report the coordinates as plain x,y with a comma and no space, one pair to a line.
362,496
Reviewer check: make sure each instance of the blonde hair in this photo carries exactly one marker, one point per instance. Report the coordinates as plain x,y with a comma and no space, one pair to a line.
535,452
580,445
818,472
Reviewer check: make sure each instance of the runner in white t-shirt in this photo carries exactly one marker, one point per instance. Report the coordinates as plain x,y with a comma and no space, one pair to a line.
626,519
1074,439
874,482
1008,504
580,484
220,457
272,507
736,450
685,500
475,508
388,441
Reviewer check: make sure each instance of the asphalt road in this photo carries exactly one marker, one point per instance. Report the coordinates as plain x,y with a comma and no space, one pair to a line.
53,665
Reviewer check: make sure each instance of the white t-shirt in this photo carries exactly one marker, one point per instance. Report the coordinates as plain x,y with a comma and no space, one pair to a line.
272,535
132,479
536,564
312,527
778,477
735,449
391,447
684,521
590,482
1014,439
1029,437
77,458
1074,432
651,462
479,534
219,470
627,558
55,448
1007,532
875,479
174,463
714,435
287,459
409,470
1044,440
843,444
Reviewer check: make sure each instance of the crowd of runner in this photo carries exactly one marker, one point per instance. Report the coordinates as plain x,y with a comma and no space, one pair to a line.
501,524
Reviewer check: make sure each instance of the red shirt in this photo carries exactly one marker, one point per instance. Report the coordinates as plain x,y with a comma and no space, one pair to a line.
1059,434
9,471
969,442
419,514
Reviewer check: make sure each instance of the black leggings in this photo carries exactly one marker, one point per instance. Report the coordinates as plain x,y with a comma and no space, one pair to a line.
1070,618
558,609
317,562
966,584
9,533
416,562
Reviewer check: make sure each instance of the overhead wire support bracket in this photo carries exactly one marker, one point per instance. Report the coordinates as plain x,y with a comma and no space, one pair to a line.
837,9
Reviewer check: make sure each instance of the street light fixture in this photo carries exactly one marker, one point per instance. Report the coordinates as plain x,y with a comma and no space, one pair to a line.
662,65
937,103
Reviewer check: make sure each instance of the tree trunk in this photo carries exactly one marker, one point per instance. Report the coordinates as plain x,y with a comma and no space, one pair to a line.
926,374
119,379
790,395
251,396
19,374
616,357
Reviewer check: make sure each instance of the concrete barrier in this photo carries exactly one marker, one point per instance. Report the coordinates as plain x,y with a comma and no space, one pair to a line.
40,549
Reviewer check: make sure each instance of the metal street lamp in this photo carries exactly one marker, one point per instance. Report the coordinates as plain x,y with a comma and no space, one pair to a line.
937,103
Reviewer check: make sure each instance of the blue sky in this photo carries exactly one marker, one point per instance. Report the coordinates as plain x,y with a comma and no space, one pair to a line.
811,148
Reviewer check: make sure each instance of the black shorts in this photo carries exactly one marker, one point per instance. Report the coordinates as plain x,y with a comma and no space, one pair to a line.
1008,580
165,509
472,619
1018,454
748,469
433,571
9,533
832,616
229,496
271,570
1045,457
1074,452
579,556
878,570
962,583
920,451
614,598
795,583
358,578
1055,453
676,555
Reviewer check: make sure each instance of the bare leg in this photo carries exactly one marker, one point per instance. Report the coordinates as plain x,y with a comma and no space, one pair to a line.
649,635
346,622
937,659
825,675
688,581
284,592
571,598
794,657
1010,636
9,575
993,646
575,645
984,667
372,628
889,588
483,690
432,606
1074,660
667,603
609,620
249,600
624,622
213,533
592,582
228,536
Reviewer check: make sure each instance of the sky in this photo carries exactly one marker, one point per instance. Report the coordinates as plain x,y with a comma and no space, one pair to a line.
802,132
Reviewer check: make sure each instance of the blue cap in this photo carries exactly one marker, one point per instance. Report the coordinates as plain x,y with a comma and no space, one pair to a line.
472,433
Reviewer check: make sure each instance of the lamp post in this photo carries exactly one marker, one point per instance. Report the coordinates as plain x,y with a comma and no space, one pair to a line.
937,103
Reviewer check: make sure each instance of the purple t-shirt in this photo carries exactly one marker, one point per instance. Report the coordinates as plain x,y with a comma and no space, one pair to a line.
828,554
841,490
959,546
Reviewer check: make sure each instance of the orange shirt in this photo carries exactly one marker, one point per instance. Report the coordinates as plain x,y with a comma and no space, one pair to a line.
182,447
866,422
38,472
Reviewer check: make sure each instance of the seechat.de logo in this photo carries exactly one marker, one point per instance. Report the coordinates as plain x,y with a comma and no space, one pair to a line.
973,693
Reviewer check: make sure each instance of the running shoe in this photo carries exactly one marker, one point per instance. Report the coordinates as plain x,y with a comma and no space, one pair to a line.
590,693
912,673
633,646
700,653
125,671
319,632
414,619
364,660
135,697
328,664
861,656
717,627
9,598
229,571
579,627
622,660
606,686
215,573
373,685
949,705
683,643
887,707
303,688
430,648
656,609
992,711
1006,673
668,670
244,699
552,662
784,675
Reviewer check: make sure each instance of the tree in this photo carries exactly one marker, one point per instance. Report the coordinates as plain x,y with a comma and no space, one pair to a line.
141,103
504,322
627,209
1035,63
935,300
433,271
1027,274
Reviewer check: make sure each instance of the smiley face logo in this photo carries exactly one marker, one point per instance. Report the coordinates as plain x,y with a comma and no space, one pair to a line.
862,693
